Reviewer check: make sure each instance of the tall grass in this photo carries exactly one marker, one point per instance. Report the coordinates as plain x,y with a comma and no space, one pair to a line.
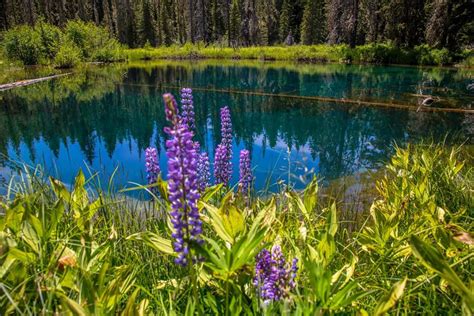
87,250
375,53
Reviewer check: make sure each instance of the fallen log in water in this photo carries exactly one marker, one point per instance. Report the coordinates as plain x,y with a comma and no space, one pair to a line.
404,106
22,83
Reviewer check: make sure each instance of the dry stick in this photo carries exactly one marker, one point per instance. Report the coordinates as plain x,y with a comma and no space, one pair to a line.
317,98
22,83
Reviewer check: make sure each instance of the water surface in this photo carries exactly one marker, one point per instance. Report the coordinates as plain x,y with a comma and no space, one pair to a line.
104,117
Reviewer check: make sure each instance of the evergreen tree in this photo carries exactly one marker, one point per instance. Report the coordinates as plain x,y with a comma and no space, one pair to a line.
450,24
441,23
267,22
234,28
312,27
285,20
147,25
405,21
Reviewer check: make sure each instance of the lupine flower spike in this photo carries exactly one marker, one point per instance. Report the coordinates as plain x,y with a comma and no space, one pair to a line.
221,170
187,107
246,178
274,278
182,184
152,165
204,174
223,155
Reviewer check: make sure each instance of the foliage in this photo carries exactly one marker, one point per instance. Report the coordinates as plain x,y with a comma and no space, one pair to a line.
68,56
50,36
376,53
94,41
46,43
69,250
23,43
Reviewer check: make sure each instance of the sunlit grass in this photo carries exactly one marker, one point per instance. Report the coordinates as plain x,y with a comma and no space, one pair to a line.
90,250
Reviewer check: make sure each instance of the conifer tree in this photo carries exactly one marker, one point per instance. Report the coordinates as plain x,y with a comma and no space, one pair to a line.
312,25
285,20
234,27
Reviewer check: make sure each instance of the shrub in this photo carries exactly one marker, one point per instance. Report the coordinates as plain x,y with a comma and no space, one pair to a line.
110,53
50,37
94,41
441,56
427,55
68,56
23,43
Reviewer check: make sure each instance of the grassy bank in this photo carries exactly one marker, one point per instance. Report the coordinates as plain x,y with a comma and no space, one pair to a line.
85,250
78,42
370,53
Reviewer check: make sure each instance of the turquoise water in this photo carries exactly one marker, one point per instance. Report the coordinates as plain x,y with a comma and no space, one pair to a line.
101,119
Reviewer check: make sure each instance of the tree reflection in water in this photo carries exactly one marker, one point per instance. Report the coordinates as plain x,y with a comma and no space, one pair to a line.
107,117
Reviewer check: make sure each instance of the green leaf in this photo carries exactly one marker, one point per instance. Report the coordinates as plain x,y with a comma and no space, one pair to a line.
211,192
79,194
24,257
60,190
389,301
14,215
7,264
233,220
332,220
310,196
72,306
295,198
432,259
30,237
217,223
155,241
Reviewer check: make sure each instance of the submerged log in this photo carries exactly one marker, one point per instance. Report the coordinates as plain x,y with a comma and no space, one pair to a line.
27,82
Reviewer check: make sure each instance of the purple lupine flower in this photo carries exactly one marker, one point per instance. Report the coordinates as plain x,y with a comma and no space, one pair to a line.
152,165
187,107
274,278
221,165
171,109
204,174
293,272
226,128
226,135
223,155
182,184
246,178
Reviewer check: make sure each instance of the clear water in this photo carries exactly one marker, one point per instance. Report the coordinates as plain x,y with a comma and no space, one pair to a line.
103,118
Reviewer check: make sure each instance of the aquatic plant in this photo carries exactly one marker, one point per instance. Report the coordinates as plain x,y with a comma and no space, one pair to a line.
187,107
152,165
274,278
246,177
182,184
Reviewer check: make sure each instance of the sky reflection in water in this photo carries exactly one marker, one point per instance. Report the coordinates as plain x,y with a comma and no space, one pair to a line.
106,117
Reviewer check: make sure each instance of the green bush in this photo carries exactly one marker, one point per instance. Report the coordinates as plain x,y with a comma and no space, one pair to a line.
68,56
23,43
94,41
427,55
110,53
47,43
50,37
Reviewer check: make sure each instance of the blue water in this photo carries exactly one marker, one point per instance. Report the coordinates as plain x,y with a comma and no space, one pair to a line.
103,118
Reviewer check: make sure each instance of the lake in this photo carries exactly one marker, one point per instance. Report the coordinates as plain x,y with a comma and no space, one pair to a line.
297,120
